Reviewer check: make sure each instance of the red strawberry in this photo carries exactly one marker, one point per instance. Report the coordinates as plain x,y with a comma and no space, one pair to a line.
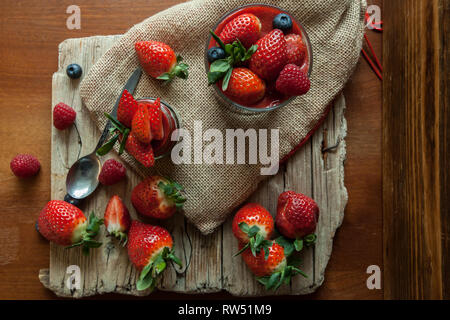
140,126
293,81
112,172
63,116
156,123
159,60
245,27
271,268
271,55
297,215
65,224
117,219
253,225
143,153
24,165
157,197
245,87
296,49
149,249
126,109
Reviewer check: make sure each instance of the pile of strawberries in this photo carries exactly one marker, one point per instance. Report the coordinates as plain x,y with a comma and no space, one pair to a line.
149,247
138,124
254,65
274,261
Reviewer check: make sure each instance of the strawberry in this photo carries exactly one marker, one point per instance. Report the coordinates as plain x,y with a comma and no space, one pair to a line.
126,109
271,268
245,86
245,28
297,215
296,49
149,249
157,197
293,81
253,225
271,55
25,165
140,126
159,61
66,225
156,123
143,153
117,219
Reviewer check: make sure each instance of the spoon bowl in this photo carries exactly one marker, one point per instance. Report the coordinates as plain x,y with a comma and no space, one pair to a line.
82,178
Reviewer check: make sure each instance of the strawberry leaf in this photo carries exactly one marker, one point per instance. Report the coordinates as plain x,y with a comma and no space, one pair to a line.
107,147
218,40
226,80
244,227
286,244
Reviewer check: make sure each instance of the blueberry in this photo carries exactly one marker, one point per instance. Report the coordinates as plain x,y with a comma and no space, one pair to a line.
73,201
74,71
36,226
283,22
215,53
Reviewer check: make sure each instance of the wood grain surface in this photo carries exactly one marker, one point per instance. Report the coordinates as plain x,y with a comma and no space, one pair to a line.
30,34
208,262
415,149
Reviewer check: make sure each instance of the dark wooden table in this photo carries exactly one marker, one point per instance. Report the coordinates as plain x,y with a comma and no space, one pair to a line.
30,34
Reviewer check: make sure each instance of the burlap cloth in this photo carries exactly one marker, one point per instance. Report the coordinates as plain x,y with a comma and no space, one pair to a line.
335,28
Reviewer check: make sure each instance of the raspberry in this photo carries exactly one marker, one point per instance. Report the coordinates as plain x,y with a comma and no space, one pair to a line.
63,116
25,165
112,172
292,81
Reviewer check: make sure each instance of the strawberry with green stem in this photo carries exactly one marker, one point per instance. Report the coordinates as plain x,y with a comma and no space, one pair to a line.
66,225
158,197
253,226
160,62
150,248
297,216
272,269
236,54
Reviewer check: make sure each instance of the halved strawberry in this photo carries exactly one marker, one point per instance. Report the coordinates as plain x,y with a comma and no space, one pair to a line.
117,219
143,153
140,126
156,123
126,109
271,55
245,28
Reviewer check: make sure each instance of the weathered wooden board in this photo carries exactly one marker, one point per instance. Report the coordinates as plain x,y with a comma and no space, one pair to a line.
208,261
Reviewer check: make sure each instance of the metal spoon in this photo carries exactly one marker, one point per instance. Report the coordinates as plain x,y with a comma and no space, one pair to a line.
82,178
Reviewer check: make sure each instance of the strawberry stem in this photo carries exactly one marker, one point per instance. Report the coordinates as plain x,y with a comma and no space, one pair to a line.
150,273
88,235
